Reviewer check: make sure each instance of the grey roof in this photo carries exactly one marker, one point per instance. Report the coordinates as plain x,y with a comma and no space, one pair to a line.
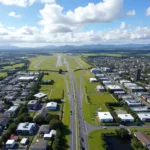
44,128
32,102
41,144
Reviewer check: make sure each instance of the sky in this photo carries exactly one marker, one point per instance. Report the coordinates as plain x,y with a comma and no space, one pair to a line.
34,23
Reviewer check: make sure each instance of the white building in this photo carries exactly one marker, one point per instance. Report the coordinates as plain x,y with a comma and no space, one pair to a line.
124,81
100,88
50,135
51,106
26,78
145,117
24,141
95,70
107,82
93,80
114,88
126,117
105,117
40,95
133,102
10,143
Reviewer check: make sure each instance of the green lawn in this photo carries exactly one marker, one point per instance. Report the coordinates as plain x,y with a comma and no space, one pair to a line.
3,74
14,66
94,139
97,100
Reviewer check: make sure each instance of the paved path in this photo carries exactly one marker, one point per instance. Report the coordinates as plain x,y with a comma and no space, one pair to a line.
59,60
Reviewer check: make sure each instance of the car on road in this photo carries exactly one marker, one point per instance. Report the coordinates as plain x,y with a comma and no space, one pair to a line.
82,139
104,127
70,112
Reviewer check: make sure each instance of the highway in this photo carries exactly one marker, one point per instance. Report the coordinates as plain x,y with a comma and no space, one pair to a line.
77,124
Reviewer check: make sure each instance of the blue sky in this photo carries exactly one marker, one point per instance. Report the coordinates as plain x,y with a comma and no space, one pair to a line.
59,22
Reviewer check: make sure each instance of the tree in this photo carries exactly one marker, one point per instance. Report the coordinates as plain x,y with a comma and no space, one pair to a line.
1,142
123,133
56,124
49,117
60,71
39,119
23,109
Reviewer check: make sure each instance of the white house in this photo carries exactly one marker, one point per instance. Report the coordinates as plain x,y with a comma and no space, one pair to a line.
40,95
100,88
145,117
10,143
105,117
50,135
114,88
93,80
51,106
126,117
95,70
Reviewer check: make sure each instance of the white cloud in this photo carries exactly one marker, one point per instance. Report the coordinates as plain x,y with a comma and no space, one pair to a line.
131,13
13,14
24,3
148,11
48,1
102,12
123,25
33,36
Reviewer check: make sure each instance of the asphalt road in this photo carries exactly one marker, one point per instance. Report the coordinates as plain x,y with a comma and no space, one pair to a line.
71,97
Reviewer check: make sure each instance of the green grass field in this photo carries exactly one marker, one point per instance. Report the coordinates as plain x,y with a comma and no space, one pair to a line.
3,74
45,63
97,100
94,139
13,66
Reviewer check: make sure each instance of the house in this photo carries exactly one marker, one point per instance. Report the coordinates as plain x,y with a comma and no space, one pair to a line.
145,117
32,105
39,145
93,80
40,95
10,143
95,71
24,141
26,78
143,138
114,88
51,106
26,128
107,82
133,102
4,122
105,117
106,69
14,137
50,135
13,109
126,117
2,107
43,112
100,88
44,129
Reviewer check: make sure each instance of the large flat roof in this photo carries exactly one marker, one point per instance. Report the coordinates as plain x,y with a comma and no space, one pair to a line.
25,126
144,115
51,104
114,87
40,95
27,78
105,115
125,116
